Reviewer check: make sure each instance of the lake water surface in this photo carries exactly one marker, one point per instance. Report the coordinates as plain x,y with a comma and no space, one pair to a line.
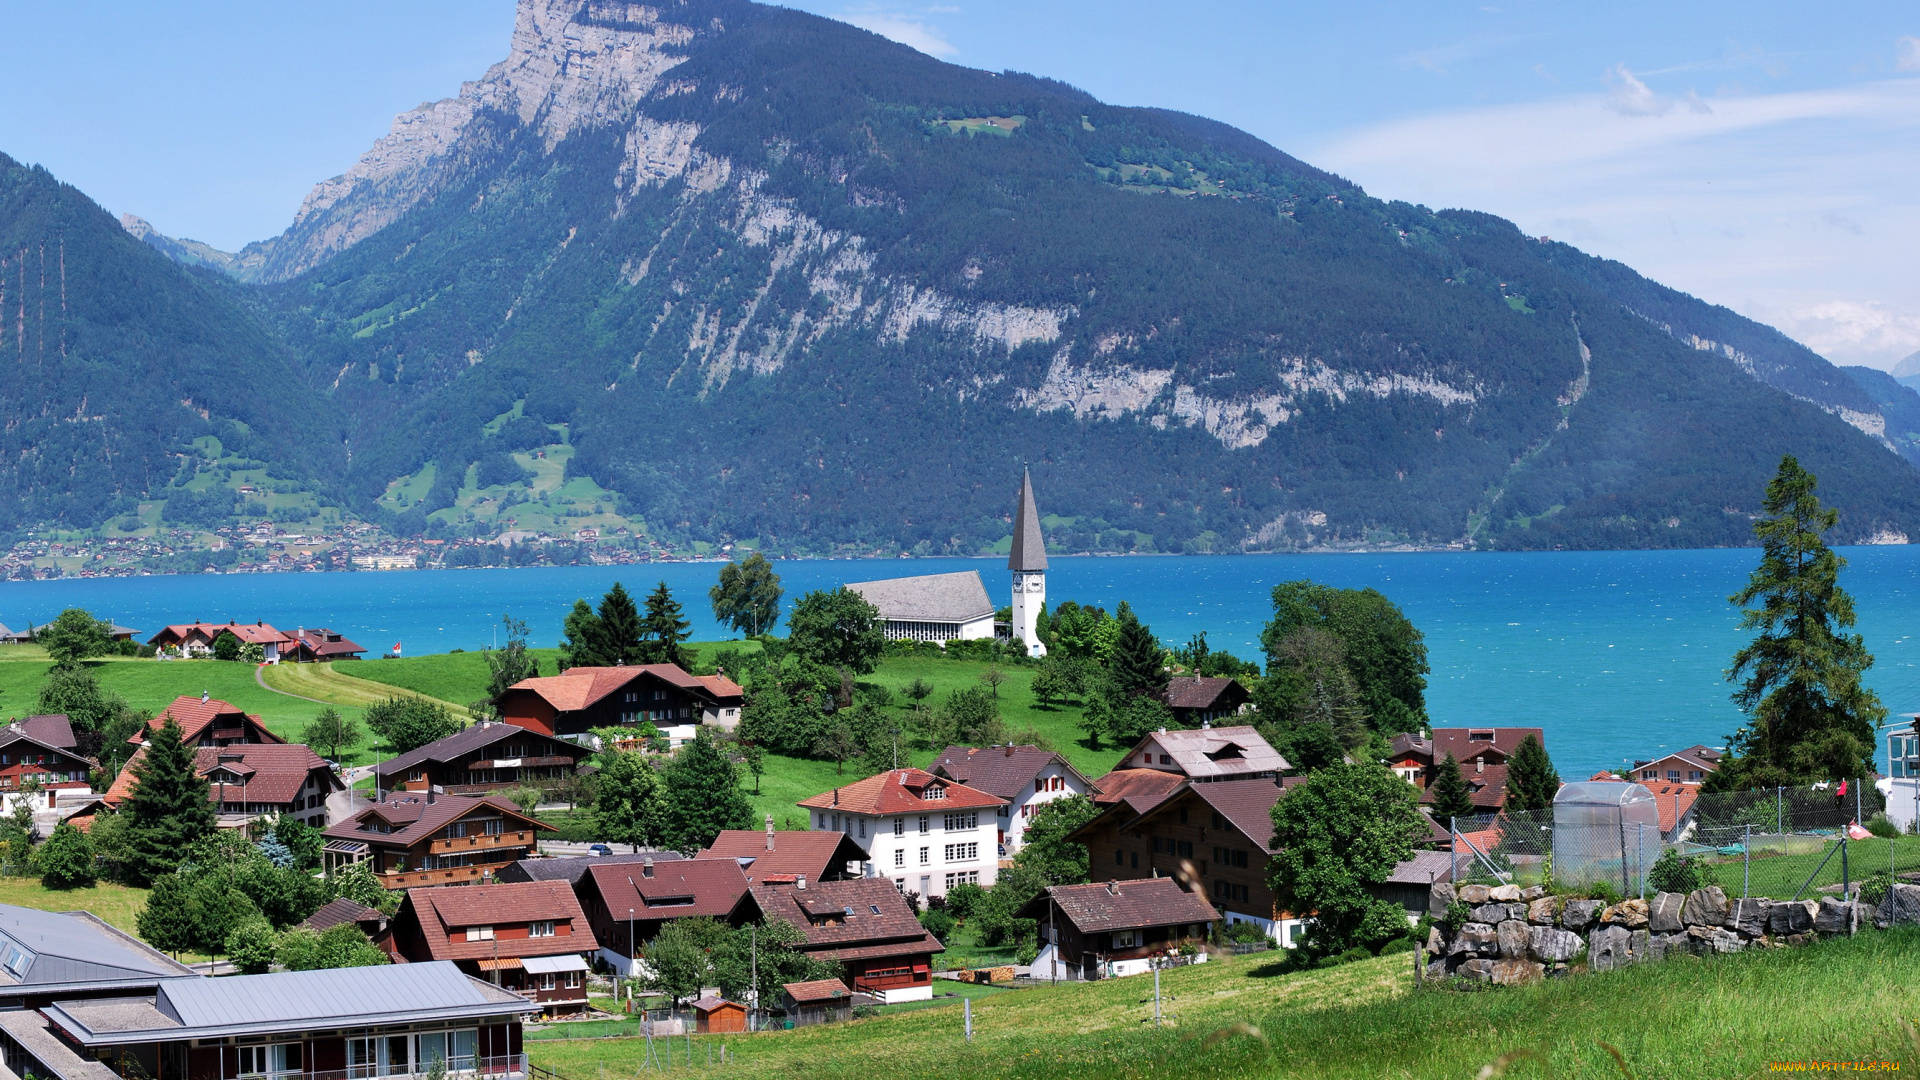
1615,654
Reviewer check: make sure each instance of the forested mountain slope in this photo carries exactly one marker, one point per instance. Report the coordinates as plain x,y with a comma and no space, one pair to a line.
114,361
774,277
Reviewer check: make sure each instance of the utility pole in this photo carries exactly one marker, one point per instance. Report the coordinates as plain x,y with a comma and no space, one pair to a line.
753,946
1156,995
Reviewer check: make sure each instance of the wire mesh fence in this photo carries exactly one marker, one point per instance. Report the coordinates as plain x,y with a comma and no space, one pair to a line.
1783,843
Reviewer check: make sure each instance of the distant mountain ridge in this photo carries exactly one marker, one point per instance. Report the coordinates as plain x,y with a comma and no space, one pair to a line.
768,277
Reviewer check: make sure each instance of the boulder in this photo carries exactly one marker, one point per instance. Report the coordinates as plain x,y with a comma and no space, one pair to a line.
1609,947
1727,941
1837,916
1631,914
1902,905
1516,972
1748,915
1553,946
1512,937
1579,914
1638,945
1436,942
1476,938
1705,907
1665,946
1531,893
1437,969
1791,916
1504,894
1474,894
1540,911
1477,970
1663,913
1439,897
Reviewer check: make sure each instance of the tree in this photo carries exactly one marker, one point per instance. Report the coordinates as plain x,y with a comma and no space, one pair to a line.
1310,665
969,717
755,760
837,745
331,730
1045,846
702,796
1334,835
1136,665
75,691
358,884
580,639
1309,747
1450,796
301,840
169,809
1128,719
166,923
74,635
252,652
251,946
226,646
964,899
630,807
665,628
619,628
992,678
748,596
676,961
837,629
1383,650
1531,780
511,664
408,723
66,859
341,946
1810,717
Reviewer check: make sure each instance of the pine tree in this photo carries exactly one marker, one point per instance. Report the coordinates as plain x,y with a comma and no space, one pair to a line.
1450,796
703,796
666,628
1810,716
170,808
1136,664
1531,780
580,639
166,923
619,628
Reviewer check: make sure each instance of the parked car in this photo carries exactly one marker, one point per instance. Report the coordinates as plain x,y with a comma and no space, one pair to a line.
599,849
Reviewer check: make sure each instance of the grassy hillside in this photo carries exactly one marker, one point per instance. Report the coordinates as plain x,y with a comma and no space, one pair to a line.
151,684
1718,1017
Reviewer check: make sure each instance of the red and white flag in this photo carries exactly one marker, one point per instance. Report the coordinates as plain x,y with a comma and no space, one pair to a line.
396,648
1855,832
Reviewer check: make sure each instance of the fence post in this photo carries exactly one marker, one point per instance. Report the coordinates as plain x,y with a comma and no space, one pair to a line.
1846,879
1453,850
1746,863
1625,888
1639,854
1779,811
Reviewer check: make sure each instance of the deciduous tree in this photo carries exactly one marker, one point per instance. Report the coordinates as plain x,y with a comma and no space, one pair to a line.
1333,836
630,807
702,795
74,635
331,731
66,859
1383,650
511,664
408,723
748,596
837,628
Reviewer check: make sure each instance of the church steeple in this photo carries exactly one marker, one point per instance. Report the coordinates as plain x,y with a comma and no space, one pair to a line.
1029,548
1028,561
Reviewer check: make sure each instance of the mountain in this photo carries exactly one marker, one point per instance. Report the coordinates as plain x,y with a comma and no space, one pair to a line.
127,381
1898,402
750,274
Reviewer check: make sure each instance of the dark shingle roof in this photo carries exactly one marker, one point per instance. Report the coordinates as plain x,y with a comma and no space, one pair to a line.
469,740
571,868
1196,691
443,915
848,920
53,730
1122,905
414,818
678,889
817,990
997,770
815,854
341,910
1029,545
940,598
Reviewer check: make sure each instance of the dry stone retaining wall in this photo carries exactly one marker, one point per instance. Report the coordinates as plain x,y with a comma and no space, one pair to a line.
1514,935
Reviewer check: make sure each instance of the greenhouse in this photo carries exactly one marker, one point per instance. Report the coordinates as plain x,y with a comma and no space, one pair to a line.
1605,832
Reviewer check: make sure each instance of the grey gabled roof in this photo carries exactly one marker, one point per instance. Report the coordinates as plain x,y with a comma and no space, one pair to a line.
77,949
941,598
287,1001
1029,546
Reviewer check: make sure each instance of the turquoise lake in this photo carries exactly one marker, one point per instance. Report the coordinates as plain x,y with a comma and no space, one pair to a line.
1617,655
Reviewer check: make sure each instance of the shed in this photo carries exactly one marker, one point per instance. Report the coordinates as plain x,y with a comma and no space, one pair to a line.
819,1002
1605,831
712,1014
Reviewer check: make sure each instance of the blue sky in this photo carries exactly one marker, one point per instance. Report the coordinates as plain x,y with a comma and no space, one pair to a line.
1760,155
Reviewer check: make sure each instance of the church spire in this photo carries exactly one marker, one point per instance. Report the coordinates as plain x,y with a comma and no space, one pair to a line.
1029,547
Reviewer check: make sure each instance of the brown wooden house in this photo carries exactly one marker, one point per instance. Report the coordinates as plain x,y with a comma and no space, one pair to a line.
1115,928
863,924
531,938
208,721
822,1001
628,903
420,839
578,700
483,757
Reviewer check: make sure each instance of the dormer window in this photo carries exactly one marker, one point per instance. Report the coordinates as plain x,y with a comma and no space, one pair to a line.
935,791
1479,736
540,929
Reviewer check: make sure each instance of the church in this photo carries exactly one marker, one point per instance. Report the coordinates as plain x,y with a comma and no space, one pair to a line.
956,607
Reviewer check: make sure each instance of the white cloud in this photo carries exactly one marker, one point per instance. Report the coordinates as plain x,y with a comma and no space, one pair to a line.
1908,51
1793,208
904,29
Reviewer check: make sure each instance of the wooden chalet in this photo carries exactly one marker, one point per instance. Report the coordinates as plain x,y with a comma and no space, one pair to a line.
417,839
581,699
483,757
529,937
1115,928
208,721
627,904
863,924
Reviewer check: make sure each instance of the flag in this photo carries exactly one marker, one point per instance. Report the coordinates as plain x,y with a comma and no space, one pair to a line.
1855,832
396,648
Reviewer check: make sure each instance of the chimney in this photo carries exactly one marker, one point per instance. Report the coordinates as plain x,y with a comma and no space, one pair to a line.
646,867
1009,749
204,695
799,881
1113,888
1163,729
836,796
429,794
1206,725
769,832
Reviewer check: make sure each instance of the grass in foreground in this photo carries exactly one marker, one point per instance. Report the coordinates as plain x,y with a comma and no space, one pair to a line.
119,905
1700,1017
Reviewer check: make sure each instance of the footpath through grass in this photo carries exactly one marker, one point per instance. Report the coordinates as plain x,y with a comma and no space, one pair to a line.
1729,1016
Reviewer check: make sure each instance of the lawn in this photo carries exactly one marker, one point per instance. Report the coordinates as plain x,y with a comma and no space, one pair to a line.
119,905
153,684
1238,1017
1782,876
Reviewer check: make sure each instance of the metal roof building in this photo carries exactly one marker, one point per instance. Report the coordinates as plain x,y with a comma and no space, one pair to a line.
931,607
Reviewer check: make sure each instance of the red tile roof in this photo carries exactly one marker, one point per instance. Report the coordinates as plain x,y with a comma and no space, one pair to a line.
1144,787
196,714
1673,801
998,770
818,990
577,688
324,644
901,791
257,633
442,916
1136,904
678,888
795,851
270,772
1457,741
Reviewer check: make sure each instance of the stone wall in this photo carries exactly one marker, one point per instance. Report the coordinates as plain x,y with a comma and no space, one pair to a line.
1514,935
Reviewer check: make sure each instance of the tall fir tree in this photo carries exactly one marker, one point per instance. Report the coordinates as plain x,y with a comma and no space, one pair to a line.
169,809
703,796
1136,665
1532,781
580,639
1810,716
619,628
1450,796
666,629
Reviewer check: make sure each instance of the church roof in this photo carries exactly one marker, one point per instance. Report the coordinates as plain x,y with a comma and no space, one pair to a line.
940,598
1029,547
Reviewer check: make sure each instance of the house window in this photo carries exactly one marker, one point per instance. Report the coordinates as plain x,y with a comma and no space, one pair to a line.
1693,776
1185,849
547,981
1134,858
958,822
540,929
1126,939
899,826
1183,815
962,852
417,775
926,824
1119,857
863,828
1230,856
900,857
935,791
479,933
1673,775
924,859
963,877
1166,759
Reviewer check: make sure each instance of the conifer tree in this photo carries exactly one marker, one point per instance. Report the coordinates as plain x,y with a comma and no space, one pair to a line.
169,809
580,639
1531,780
619,628
166,923
1136,665
1810,717
1450,796
666,628
703,796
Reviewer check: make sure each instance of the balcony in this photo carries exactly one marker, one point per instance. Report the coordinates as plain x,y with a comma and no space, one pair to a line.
455,845
505,1067
447,875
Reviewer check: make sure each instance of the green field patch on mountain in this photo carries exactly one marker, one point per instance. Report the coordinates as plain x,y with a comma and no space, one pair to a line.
982,125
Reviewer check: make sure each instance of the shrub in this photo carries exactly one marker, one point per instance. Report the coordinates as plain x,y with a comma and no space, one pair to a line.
1676,873
938,923
1875,888
1880,825
964,899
